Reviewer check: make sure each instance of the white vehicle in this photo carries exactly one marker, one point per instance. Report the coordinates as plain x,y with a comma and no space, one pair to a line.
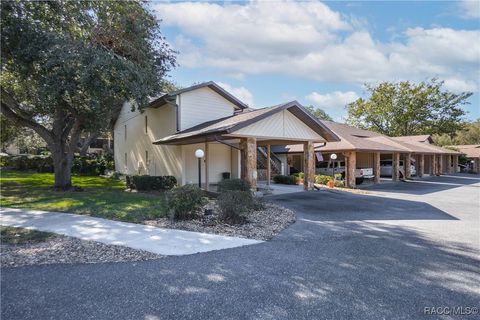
325,168
386,168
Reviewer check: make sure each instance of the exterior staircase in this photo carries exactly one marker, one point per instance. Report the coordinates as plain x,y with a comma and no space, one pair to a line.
275,163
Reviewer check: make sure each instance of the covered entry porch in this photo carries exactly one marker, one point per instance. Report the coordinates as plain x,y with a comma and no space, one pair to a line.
231,145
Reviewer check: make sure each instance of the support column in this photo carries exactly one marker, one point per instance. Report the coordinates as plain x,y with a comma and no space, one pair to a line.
351,162
440,164
269,165
395,166
309,165
434,164
406,166
455,164
421,166
376,167
207,180
449,164
249,161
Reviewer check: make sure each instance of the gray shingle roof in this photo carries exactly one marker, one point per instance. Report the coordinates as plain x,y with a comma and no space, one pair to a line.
355,139
232,123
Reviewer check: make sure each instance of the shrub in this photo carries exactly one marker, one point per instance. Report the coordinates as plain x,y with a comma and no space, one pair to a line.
93,165
185,201
5,160
39,163
282,179
233,185
339,184
300,175
234,205
321,179
145,183
338,176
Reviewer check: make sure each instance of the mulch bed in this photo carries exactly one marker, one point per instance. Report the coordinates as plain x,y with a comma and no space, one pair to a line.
63,249
261,225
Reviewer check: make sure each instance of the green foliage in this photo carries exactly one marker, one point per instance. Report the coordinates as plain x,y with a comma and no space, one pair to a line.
234,205
185,201
5,160
67,66
469,134
321,179
283,179
30,162
146,183
93,165
339,184
101,197
8,133
318,113
404,108
338,176
233,185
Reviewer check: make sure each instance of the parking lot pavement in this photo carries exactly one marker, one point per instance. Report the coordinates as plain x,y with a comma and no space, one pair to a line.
389,254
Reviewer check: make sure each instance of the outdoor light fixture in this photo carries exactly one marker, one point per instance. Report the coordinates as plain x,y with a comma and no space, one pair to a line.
199,154
333,156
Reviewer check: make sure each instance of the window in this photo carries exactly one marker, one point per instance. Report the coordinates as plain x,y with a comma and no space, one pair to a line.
146,157
125,160
125,132
146,124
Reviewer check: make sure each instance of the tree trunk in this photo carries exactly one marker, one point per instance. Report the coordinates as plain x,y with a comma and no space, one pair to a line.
62,166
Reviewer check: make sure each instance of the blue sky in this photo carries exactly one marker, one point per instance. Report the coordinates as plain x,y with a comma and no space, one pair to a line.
321,53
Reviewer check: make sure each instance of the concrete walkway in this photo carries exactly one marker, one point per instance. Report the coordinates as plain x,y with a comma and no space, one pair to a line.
157,240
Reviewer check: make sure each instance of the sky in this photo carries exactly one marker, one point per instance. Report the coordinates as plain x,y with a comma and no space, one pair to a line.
323,53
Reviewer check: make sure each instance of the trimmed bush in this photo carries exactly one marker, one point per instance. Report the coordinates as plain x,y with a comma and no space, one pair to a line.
321,179
233,185
5,160
339,184
31,162
147,183
185,201
93,165
234,205
282,179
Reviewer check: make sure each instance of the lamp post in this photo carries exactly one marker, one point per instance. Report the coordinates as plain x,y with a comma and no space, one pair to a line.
333,157
199,154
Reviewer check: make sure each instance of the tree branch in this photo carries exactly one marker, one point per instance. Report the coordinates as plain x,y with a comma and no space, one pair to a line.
10,108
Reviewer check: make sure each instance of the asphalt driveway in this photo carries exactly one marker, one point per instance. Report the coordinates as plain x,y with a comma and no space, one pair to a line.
386,255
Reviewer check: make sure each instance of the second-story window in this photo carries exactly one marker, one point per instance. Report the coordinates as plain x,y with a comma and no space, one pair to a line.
125,132
146,124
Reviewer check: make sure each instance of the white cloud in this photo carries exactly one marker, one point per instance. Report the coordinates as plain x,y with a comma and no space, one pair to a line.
336,99
241,93
469,9
310,40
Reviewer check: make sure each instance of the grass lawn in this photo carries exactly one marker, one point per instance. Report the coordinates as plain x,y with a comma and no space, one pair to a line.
11,235
102,197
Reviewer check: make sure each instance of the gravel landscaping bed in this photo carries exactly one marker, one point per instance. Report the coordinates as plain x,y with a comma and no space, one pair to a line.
63,249
261,225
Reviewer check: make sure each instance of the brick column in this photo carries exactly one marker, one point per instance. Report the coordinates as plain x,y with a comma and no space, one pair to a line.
269,165
249,161
440,164
309,165
449,164
376,167
395,166
351,162
406,166
421,166
434,164
455,164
